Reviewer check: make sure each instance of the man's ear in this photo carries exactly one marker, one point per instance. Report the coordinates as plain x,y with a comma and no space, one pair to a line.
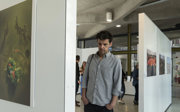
110,43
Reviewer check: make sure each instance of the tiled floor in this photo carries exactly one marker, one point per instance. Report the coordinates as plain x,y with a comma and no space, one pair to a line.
176,91
127,107
175,106
130,107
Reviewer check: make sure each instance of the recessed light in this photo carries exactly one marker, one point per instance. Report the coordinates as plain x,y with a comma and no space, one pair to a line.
118,26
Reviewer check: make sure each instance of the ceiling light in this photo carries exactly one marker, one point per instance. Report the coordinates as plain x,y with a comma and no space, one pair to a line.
109,16
118,26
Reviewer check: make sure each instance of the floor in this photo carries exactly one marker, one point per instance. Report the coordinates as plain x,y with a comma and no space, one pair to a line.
127,107
175,105
176,91
130,107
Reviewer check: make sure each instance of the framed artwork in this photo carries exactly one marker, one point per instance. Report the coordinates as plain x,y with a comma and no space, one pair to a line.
168,65
161,64
151,63
15,53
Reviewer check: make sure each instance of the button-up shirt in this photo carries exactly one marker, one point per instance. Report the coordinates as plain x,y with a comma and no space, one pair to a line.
102,78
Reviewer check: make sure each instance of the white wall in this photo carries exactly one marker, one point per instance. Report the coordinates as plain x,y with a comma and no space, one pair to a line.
70,55
155,91
54,25
84,53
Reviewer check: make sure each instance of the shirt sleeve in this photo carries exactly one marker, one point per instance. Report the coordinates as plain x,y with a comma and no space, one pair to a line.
117,78
85,75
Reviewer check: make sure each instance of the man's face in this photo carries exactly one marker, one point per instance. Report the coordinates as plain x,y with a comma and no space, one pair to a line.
77,61
103,46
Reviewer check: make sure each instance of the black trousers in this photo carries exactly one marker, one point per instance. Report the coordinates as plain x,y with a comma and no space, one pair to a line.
123,89
136,98
95,108
77,87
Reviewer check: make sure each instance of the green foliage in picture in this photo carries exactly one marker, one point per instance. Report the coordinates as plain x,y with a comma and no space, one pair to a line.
14,72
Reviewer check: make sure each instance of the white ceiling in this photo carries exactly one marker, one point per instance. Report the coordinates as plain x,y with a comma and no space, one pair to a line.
91,16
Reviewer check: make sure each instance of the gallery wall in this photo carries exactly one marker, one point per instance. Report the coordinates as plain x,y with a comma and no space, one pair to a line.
154,67
52,57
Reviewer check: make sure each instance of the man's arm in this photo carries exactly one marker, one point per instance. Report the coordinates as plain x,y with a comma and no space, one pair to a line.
117,82
84,99
85,75
84,86
113,103
84,82
117,79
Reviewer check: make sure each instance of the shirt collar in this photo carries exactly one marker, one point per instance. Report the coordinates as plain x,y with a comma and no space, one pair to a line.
106,55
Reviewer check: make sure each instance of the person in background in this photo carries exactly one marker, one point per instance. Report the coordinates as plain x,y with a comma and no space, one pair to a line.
82,72
83,67
122,89
77,78
102,78
136,84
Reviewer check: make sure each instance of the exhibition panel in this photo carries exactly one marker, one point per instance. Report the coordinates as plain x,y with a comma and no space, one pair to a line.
155,67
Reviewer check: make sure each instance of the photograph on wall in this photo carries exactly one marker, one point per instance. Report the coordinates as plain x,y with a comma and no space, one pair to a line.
151,63
168,65
15,53
161,64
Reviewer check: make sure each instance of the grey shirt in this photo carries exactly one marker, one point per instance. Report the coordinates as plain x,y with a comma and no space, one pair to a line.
102,78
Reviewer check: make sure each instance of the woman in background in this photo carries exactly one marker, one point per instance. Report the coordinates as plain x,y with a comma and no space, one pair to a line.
81,72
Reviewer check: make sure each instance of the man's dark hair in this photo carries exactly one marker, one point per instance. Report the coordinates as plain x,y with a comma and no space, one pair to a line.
77,57
104,35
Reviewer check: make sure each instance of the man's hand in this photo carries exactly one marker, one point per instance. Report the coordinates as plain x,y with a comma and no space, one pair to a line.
109,106
85,100
113,103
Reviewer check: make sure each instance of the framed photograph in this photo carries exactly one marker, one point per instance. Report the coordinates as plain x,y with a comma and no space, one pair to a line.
151,63
161,64
16,54
168,65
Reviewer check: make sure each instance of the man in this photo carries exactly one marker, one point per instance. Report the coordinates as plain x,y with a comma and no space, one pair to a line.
77,77
135,83
101,84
